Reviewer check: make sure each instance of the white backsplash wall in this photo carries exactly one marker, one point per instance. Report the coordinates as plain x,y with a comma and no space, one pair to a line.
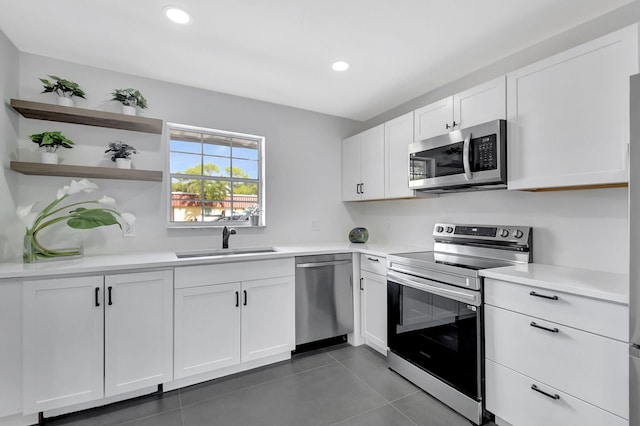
584,229
303,155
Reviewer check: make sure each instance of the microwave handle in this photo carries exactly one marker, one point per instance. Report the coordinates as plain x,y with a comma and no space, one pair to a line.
466,151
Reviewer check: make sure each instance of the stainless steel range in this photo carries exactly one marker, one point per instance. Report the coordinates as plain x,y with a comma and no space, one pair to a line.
435,314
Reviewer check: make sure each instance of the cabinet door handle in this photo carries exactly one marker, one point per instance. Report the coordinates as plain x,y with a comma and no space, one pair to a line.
446,126
357,188
554,396
373,259
544,296
362,188
109,289
237,299
245,297
361,280
454,124
551,330
97,296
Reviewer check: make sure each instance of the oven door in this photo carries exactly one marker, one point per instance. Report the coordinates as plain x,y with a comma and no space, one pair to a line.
438,328
463,158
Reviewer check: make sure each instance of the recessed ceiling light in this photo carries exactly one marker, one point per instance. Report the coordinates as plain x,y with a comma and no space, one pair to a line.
177,15
340,66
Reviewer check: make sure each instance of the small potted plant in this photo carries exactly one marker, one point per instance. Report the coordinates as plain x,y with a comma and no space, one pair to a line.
130,99
50,141
65,89
254,214
121,154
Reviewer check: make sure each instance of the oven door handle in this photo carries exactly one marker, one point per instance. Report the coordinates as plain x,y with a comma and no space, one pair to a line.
466,161
471,297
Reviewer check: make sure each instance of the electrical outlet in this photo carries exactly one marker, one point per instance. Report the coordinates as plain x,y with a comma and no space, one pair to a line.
127,230
315,225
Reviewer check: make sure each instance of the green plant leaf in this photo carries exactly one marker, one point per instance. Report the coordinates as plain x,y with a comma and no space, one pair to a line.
92,218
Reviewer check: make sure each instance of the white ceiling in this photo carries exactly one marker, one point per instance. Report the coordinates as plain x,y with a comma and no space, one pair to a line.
281,50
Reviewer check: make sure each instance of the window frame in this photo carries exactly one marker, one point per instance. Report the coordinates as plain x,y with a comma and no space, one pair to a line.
224,133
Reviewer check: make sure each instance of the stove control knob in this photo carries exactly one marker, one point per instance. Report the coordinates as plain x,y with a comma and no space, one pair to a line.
504,233
518,233
439,229
449,229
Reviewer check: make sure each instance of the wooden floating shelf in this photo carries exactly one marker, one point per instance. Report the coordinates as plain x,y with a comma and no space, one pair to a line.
89,117
85,172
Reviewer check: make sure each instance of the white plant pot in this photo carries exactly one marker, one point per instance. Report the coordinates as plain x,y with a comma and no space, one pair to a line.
123,163
65,101
48,157
128,110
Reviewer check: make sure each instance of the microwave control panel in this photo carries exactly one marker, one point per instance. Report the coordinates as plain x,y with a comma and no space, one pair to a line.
485,156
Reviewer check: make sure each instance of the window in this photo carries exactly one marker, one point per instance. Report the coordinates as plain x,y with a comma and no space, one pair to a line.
216,177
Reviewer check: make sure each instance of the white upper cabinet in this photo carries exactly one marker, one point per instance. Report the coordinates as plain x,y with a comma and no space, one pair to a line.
568,115
398,134
434,119
482,103
363,165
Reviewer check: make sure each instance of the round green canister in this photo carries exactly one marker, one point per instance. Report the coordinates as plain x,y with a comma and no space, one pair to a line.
359,235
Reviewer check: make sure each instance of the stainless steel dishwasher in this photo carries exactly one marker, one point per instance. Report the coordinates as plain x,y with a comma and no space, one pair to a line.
324,297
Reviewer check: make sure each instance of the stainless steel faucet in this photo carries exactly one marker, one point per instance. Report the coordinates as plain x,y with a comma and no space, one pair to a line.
226,232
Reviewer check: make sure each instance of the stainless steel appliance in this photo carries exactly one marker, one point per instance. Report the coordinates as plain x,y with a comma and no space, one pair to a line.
435,313
463,160
634,254
324,297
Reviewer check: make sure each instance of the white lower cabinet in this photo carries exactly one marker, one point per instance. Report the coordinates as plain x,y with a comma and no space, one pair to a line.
90,337
549,359
228,314
373,287
11,353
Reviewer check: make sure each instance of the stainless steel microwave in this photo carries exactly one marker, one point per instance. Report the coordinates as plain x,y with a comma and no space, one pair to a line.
468,159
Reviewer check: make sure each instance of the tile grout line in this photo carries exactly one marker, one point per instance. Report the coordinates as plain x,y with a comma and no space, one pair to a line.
360,414
256,385
180,404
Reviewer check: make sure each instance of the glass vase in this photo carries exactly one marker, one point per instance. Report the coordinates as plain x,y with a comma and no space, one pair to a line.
34,251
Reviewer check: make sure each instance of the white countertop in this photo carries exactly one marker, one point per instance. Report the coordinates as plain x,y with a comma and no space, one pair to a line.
601,285
165,259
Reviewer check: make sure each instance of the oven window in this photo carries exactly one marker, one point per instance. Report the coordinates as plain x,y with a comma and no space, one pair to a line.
437,334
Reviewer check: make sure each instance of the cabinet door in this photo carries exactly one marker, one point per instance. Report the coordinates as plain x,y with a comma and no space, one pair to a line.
374,310
207,328
433,119
351,168
372,163
398,134
11,353
485,102
568,115
268,317
138,331
63,342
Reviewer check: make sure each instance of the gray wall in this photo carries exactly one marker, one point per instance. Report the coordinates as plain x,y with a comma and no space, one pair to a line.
586,228
11,229
303,151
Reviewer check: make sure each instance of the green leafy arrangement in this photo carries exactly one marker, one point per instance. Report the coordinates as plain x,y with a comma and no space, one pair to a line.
62,87
102,212
120,150
129,97
51,141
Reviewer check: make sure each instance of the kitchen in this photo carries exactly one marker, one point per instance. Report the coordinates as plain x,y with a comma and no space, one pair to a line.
559,219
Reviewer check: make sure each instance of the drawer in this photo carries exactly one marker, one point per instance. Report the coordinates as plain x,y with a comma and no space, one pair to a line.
510,396
596,316
375,264
587,366
219,273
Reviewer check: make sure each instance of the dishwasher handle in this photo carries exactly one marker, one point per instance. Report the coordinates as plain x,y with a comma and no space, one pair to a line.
320,264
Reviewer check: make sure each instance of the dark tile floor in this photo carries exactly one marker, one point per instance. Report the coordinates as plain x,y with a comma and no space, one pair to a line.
341,385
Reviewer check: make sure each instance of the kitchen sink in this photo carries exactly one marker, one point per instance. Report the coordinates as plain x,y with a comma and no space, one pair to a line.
224,252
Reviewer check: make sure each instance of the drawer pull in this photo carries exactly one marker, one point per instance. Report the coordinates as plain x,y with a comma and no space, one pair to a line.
372,259
551,330
554,396
544,296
